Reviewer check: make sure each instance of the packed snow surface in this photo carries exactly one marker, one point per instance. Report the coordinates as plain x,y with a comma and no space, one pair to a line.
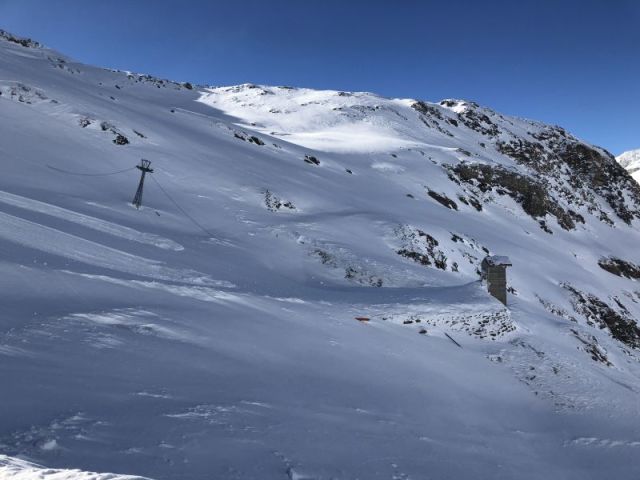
299,295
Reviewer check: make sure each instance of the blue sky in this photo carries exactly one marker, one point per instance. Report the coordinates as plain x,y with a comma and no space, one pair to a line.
575,63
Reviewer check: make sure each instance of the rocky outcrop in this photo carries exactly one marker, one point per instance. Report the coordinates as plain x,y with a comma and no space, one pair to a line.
602,173
443,200
311,159
577,171
25,42
274,203
620,267
620,323
421,247
531,194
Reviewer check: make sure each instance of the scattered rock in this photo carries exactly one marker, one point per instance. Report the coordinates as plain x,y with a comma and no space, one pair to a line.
120,140
620,267
25,42
443,200
531,194
248,138
274,203
420,247
622,327
591,346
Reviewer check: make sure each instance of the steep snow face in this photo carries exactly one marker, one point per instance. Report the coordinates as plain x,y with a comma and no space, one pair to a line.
631,162
301,285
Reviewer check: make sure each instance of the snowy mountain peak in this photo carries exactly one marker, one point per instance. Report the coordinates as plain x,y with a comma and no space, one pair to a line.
630,160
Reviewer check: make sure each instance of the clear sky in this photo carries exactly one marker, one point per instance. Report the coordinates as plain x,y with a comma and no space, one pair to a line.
575,63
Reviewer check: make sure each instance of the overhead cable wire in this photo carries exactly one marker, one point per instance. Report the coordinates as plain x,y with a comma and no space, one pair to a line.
177,205
90,174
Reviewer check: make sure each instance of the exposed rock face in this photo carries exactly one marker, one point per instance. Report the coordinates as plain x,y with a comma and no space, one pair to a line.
433,117
620,324
479,121
602,173
443,200
25,42
422,248
620,267
530,193
578,174
578,171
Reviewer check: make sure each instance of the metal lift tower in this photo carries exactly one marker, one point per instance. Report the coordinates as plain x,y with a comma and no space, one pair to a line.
144,167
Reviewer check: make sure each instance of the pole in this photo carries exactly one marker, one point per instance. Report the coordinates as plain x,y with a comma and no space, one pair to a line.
144,168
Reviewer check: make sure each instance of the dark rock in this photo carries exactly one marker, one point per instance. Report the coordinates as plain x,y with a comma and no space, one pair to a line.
120,140
25,42
620,267
443,200
478,121
428,253
274,203
604,174
530,193
592,347
622,327
578,172
311,159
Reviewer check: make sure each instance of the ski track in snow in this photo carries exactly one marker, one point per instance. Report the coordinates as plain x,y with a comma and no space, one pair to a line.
90,222
203,293
50,240
137,321
603,442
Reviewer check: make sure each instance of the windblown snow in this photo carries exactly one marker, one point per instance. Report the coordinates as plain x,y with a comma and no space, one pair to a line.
299,295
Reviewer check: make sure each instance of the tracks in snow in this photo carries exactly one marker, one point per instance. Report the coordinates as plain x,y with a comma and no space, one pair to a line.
89,222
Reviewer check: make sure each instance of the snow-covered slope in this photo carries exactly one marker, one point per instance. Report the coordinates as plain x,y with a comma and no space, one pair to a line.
22,470
213,333
631,162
